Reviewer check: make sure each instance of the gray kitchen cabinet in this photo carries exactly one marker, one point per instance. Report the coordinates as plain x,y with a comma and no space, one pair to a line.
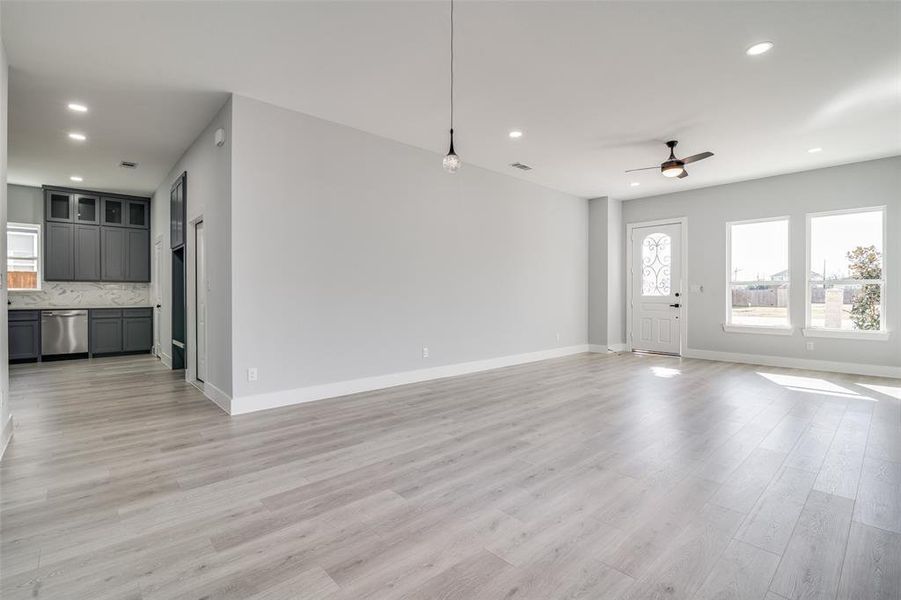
86,209
58,206
87,253
137,213
177,207
113,211
106,335
137,255
24,334
59,258
137,334
115,331
113,248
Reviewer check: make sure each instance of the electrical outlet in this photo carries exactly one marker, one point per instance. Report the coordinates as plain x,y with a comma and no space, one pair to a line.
252,374
810,345
425,351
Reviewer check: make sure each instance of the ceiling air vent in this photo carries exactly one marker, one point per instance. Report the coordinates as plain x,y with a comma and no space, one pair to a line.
127,164
520,166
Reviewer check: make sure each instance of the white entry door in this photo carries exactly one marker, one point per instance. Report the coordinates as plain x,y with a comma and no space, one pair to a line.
201,290
656,280
157,295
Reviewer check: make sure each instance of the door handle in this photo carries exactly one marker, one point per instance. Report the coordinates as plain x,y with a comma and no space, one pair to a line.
676,305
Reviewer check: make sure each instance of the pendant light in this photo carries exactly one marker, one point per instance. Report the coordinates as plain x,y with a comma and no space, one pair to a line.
452,162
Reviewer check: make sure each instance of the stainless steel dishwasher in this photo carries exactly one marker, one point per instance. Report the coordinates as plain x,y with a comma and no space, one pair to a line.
64,332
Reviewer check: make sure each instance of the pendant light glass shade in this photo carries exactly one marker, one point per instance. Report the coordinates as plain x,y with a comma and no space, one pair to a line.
452,162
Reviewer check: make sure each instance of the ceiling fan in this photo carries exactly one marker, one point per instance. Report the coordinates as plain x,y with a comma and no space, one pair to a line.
675,167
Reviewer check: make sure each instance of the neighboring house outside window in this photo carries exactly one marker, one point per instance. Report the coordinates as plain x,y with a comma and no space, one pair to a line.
23,256
759,279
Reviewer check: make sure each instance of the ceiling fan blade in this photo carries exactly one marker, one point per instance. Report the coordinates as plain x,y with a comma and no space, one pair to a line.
643,169
696,157
683,174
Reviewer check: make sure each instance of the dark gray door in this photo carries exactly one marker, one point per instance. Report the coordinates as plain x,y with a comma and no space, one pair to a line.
113,212
87,253
137,334
59,264
137,213
58,206
177,200
106,335
24,339
113,248
137,255
86,209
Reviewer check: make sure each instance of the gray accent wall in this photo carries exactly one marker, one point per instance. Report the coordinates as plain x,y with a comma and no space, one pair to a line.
351,252
865,184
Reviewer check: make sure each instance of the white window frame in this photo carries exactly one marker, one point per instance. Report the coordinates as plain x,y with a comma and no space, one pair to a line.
35,227
883,333
728,325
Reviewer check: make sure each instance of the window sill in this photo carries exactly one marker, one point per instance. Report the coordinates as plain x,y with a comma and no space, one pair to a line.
761,329
847,335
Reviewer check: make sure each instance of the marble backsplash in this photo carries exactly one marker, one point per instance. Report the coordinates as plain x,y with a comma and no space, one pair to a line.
74,294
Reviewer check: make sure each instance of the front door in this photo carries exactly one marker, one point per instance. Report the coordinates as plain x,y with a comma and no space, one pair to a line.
656,280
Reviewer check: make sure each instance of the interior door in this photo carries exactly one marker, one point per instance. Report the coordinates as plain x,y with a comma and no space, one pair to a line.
201,290
656,280
157,295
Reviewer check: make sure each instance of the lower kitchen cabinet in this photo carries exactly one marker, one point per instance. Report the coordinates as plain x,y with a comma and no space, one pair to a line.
106,335
24,334
115,331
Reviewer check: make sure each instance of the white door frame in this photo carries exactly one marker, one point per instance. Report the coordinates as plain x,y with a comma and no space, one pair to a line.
683,260
157,289
191,302
200,291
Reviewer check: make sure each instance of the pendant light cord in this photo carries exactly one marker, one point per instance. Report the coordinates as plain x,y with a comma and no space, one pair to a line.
452,65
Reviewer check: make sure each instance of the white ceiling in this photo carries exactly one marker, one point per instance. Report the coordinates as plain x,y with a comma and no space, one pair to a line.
596,87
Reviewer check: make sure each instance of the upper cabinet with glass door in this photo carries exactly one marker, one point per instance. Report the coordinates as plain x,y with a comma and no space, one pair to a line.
123,212
58,206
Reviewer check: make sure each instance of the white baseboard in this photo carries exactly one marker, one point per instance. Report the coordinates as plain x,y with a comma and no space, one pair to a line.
257,402
796,363
597,349
6,434
166,360
622,347
218,397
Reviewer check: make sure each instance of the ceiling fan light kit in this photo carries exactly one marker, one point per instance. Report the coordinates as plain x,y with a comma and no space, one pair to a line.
675,167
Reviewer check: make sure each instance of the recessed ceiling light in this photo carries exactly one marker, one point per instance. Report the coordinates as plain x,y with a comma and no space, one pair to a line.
815,150
515,134
78,107
635,184
78,136
759,48
76,178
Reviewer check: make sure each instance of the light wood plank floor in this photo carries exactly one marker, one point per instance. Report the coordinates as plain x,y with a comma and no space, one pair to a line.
587,477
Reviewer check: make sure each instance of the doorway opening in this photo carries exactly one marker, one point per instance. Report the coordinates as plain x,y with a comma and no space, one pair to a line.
656,306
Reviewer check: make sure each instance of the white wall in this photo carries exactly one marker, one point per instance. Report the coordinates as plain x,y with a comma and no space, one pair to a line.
872,183
5,415
351,252
616,277
598,264
209,198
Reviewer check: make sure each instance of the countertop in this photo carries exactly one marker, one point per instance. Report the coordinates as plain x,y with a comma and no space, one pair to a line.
72,307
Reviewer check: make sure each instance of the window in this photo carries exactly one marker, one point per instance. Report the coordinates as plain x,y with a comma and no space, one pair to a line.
656,259
846,278
759,277
23,256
